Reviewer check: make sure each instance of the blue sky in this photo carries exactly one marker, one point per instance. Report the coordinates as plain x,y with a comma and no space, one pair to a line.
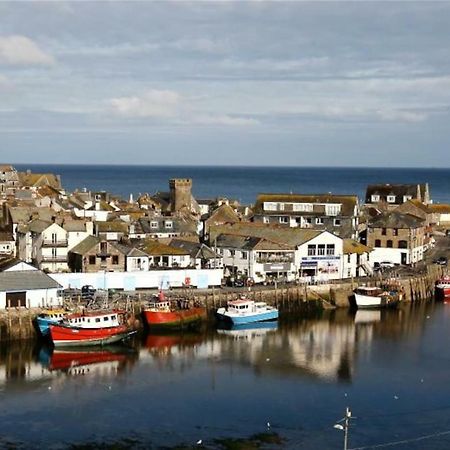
245,83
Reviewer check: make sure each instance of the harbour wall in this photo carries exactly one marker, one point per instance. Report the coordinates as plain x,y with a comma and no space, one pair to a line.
18,323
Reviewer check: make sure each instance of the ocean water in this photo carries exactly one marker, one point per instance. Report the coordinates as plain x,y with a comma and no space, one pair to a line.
168,391
244,183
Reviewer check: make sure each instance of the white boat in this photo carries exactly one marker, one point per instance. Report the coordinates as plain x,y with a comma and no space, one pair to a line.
375,297
243,311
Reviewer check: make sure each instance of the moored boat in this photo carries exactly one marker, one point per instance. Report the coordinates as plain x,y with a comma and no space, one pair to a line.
244,311
173,314
442,289
90,328
376,297
48,317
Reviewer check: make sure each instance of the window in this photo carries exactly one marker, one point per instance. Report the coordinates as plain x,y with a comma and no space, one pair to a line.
266,220
105,319
375,198
115,259
391,198
321,249
270,206
377,243
402,244
153,224
395,232
92,260
389,244
319,221
337,222
311,250
349,258
383,231
332,210
232,252
407,197
103,247
244,255
330,249
168,224
284,219
97,319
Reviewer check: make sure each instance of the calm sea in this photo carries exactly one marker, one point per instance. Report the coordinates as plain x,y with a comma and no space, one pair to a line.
223,387
244,183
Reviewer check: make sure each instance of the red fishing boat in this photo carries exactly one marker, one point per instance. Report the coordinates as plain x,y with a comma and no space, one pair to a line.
174,314
443,289
91,328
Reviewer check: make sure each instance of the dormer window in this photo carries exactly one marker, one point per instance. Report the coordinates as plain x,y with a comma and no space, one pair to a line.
153,224
375,198
406,198
168,224
391,198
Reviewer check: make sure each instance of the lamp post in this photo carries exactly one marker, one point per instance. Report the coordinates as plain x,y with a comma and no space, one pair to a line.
344,425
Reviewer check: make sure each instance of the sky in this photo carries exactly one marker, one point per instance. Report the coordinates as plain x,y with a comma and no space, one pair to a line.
225,83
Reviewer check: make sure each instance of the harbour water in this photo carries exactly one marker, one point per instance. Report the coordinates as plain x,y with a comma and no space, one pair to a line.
277,386
244,183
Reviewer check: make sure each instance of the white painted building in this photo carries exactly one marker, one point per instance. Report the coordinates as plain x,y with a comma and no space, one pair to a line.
34,290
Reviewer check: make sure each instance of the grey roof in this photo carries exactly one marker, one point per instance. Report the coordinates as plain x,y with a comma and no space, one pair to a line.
85,245
74,225
26,281
195,249
38,225
179,225
399,190
396,220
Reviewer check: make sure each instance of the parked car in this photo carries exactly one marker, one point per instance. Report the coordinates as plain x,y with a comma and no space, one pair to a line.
442,261
88,291
386,265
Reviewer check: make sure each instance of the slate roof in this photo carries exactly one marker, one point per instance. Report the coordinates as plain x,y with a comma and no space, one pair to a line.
274,233
195,249
26,281
179,225
25,214
399,190
348,202
39,179
352,246
117,226
38,225
156,248
74,225
250,243
396,220
223,214
85,245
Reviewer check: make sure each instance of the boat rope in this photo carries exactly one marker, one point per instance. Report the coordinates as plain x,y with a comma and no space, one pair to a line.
404,441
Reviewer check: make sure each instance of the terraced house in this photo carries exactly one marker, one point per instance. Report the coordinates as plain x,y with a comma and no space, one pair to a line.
335,213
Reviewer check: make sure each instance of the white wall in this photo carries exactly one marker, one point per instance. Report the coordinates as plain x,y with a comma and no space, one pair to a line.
133,280
36,298
335,261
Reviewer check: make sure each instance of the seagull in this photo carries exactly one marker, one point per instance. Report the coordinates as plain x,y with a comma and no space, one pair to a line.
268,425
345,395
199,442
267,359
396,398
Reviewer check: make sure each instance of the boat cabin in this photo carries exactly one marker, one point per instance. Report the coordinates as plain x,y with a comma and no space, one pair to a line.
53,314
94,320
370,291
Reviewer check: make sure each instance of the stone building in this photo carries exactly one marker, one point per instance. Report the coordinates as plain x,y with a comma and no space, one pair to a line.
396,238
95,255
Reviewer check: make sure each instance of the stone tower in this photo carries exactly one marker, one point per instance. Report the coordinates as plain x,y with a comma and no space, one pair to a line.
180,194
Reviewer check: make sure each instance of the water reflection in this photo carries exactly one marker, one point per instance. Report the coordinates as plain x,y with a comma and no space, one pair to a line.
324,347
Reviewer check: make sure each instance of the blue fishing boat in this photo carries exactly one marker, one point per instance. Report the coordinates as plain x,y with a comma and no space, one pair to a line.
49,317
243,311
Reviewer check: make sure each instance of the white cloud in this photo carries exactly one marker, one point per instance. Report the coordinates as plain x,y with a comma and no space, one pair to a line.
224,119
153,103
20,50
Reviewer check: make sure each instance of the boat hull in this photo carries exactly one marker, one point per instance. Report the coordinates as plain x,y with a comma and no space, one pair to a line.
180,319
373,302
250,318
67,336
443,293
44,323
